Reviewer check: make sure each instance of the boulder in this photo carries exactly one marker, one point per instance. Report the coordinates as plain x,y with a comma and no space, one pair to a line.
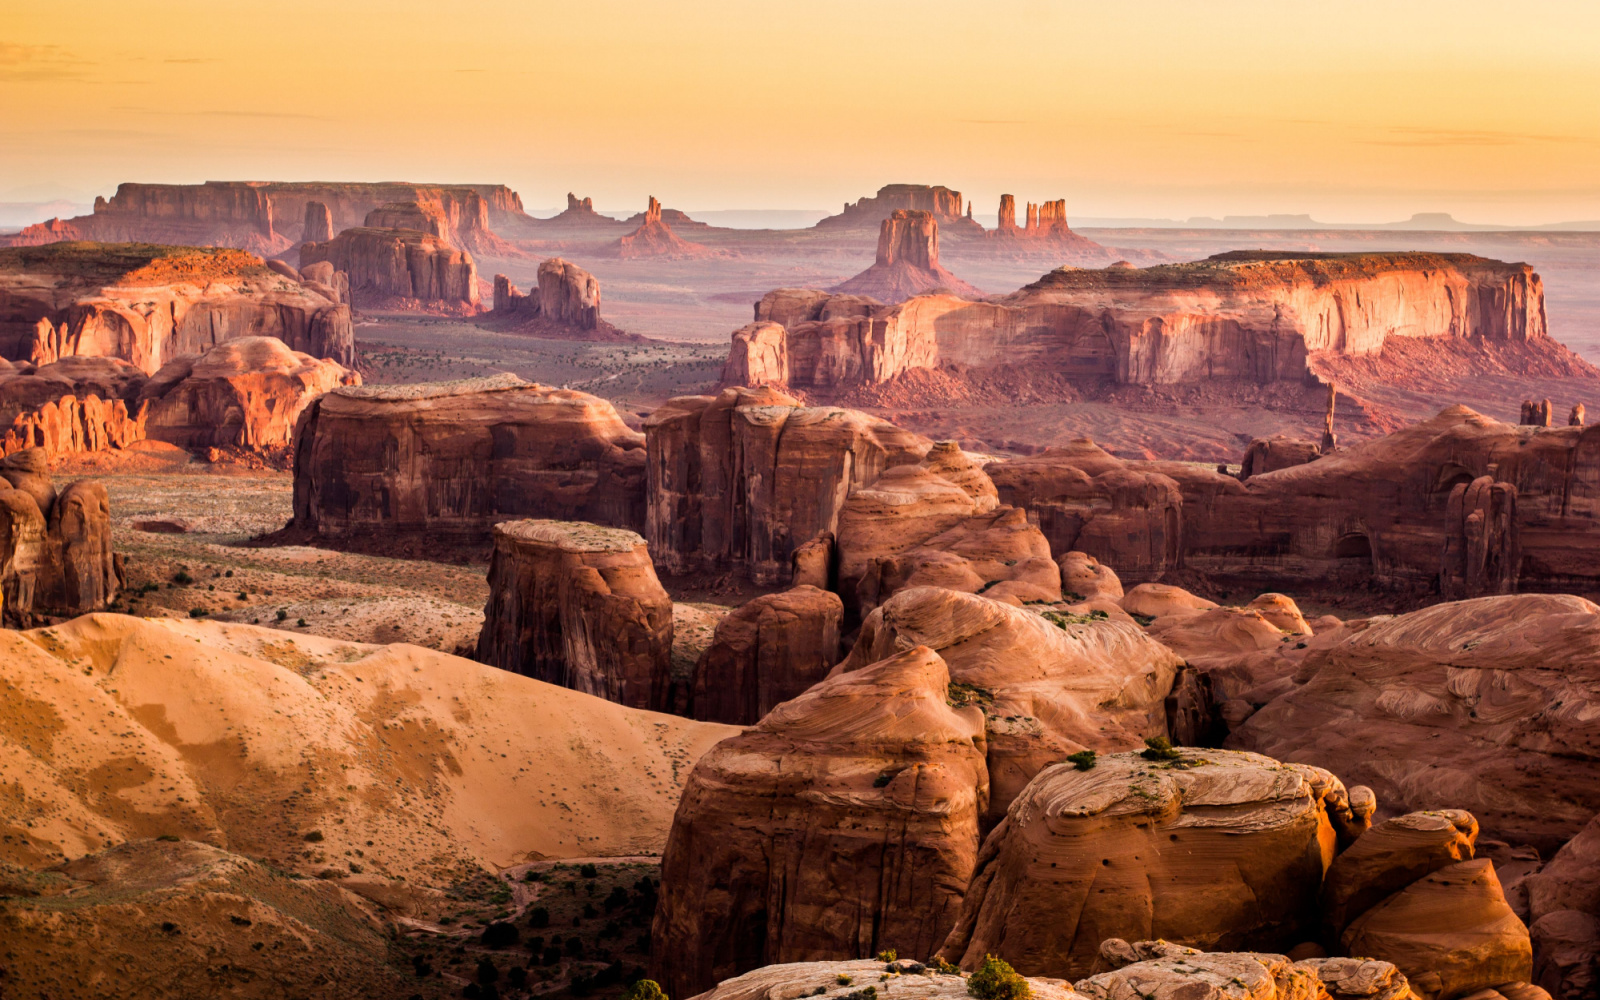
836,980
1477,704
1160,600
907,263
766,651
1083,577
1210,848
1564,916
578,605
845,823
245,393
1272,454
740,479
446,460
1206,976
758,357
1451,932
1389,857
1048,684
1281,612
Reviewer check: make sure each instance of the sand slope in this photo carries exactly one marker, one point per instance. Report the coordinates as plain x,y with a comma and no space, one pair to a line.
407,762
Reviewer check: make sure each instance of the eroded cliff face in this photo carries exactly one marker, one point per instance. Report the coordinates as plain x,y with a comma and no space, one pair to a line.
447,460
146,304
270,217
400,259
567,297
743,478
655,238
55,547
72,405
907,263
1260,317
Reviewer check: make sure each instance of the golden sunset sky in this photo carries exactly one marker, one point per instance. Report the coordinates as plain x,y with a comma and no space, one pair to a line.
1352,111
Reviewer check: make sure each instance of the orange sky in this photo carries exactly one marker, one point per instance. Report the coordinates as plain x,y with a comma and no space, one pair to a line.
1349,111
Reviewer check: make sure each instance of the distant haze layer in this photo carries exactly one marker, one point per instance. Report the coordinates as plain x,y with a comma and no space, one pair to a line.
1155,109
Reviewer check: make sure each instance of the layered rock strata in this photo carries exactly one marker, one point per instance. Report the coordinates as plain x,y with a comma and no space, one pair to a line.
907,263
398,258
743,478
567,299
766,651
578,605
448,460
845,823
72,405
868,213
146,304
55,547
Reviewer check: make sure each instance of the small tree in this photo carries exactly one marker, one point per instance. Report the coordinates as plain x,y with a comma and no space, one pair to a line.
644,989
997,980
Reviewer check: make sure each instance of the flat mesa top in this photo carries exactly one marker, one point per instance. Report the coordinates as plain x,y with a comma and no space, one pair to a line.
1244,268
571,536
135,264
434,390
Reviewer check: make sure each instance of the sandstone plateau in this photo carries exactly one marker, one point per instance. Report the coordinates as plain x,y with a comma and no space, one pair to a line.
443,462
400,258
870,212
146,304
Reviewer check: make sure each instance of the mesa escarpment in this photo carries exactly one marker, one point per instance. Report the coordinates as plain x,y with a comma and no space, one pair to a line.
399,258
147,304
867,213
443,462
1255,317
270,218
907,262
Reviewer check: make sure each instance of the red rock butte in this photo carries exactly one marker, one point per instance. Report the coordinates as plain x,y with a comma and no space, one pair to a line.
907,263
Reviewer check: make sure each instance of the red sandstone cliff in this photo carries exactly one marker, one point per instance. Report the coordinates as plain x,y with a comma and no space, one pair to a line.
400,259
146,304
566,303
908,262
1047,227
939,201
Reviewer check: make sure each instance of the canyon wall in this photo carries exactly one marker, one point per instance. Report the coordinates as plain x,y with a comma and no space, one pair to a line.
400,259
1254,316
447,460
146,304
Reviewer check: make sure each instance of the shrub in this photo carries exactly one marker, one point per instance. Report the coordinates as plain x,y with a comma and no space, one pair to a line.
1158,748
589,912
843,980
938,964
644,989
169,838
182,578
500,935
517,976
487,973
617,899
551,956
1082,760
301,622
540,917
882,779
532,876
589,871
574,946
282,614
997,980
198,612
314,837
888,955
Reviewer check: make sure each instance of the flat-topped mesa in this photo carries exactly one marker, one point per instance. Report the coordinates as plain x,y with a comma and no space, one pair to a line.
654,238
1253,316
907,262
147,304
269,217
400,259
567,300
578,605
243,394
444,461
939,201
741,479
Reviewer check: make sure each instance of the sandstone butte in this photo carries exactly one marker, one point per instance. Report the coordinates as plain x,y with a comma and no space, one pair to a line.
907,263
1255,316
399,258
270,218
444,462
146,304
870,212
55,546
565,304
655,238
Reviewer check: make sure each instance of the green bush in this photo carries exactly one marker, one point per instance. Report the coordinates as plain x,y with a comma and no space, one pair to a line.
1158,748
540,917
589,871
888,955
1083,760
997,980
198,612
644,989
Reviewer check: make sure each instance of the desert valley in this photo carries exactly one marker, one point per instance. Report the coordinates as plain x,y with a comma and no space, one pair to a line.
408,594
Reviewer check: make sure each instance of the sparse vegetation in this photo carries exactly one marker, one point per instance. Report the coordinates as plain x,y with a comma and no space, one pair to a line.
1083,760
1159,748
997,980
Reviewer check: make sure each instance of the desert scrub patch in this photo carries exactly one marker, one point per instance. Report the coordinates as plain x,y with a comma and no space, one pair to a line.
961,695
997,980
1083,760
1159,748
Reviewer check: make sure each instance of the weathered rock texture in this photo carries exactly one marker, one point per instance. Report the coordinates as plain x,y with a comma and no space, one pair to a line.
743,478
1216,849
400,258
868,213
578,605
271,217
1048,684
55,548
450,459
768,650
1564,917
654,238
907,263
72,405
146,304
1046,227
318,226
566,303
1258,317
1483,704
245,393
843,824
836,980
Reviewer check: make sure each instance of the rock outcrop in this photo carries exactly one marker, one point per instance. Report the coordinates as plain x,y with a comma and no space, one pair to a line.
768,650
1480,704
398,258
1049,684
743,478
146,304
55,548
654,238
868,213
271,217
445,461
72,405
907,262
1564,917
837,980
845,823
1258,317
578,605
566,304
1210,848
245,393
1046,226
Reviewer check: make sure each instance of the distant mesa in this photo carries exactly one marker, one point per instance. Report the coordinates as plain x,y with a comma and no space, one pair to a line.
1045,224
579,214
401,259
319,223
908,262
672,217
939,201
565,304
654,238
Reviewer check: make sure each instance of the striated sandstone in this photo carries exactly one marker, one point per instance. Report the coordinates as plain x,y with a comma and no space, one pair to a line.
55,547
578,605
445,461
868,213
567,301
845,823
318,226
1389,857
836,980
768,650
77,404
1564,916
398,258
